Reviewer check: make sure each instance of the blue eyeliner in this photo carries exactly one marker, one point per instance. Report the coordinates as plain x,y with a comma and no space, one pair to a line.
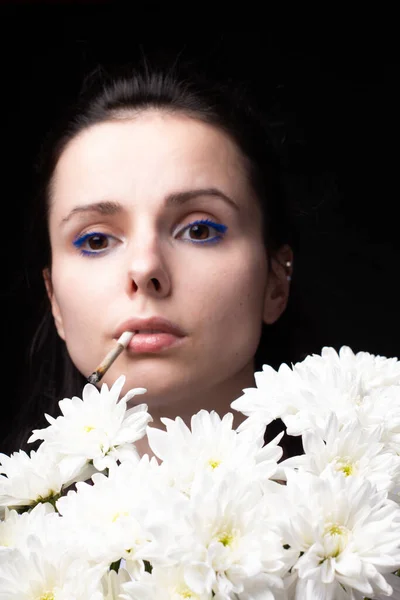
81,239
219,227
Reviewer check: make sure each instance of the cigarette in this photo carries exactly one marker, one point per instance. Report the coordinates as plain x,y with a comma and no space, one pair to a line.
108,360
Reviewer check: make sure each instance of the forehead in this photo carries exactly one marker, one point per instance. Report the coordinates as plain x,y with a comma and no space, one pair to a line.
147,155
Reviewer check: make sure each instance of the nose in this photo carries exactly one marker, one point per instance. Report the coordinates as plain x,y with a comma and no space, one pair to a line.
147,270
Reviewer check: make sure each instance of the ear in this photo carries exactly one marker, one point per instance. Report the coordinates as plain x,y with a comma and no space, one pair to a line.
55,309
278,284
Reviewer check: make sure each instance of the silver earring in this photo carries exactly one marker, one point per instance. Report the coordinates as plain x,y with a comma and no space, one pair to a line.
288,264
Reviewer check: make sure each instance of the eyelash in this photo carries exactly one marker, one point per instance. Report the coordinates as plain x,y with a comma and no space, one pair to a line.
219,227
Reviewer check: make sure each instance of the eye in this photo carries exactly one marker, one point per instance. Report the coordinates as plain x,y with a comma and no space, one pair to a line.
94,243
203,231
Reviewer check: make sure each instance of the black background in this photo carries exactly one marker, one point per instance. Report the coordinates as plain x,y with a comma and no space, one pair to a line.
337,98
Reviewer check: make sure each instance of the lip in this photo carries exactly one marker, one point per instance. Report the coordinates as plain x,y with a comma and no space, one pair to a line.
167,334
157,323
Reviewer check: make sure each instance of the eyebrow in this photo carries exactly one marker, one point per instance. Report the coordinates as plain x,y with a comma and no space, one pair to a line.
108,207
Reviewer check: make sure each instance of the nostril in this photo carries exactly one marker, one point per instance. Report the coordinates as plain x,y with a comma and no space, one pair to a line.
156,283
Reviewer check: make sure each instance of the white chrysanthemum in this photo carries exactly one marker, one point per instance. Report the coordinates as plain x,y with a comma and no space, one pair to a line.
347,536
15,529
211,445
164,583
29,479
350,450
48,572
320,384
233,540
98,428
127,515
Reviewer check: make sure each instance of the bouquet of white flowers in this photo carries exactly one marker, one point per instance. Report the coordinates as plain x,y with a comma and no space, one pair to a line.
215,513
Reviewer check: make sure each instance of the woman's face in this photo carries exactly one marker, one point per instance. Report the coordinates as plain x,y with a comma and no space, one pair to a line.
125,196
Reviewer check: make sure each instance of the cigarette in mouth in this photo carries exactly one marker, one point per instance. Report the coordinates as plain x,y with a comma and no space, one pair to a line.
108,360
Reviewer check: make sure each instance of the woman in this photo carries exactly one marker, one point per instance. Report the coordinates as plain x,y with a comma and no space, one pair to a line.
166,216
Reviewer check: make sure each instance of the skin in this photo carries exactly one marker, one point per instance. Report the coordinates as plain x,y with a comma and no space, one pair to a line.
218,293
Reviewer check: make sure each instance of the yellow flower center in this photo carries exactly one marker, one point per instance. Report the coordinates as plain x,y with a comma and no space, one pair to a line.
214,463
47,596
88,428
345,465
118,515
335,530
227,535
336,538
226,538
183,591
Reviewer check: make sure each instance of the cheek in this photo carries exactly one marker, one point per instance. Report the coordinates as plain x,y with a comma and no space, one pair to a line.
80,291
226,310
231,291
